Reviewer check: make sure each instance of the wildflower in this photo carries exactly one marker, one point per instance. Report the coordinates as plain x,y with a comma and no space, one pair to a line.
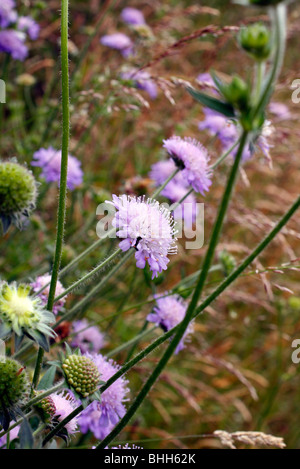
14,390
168,312
118,41
190,156
218,125
148,228
18,193
132,16
49,160
27,24
24,315
8,14
280,110
64,405
81,374
43,280
142,80
87,338
12,42
101,417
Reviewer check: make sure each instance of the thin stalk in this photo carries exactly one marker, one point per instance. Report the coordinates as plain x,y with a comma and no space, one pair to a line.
61,216
193,303
213,296
43,394
133,341
224,156
89,275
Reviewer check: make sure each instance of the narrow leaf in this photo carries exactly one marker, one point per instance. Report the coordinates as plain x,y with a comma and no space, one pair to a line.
215,104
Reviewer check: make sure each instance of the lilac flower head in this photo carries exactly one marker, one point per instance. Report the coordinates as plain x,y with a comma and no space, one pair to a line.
280,110
50,161
87,338
218,125
168,312
12,42
142,80
132,16
8,14
189,155
101,417
147,227
64,406
118,41
43,280
27,24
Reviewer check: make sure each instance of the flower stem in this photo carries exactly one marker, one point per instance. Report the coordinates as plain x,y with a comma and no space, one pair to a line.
224,156
161,188
193,304
63,173
43,394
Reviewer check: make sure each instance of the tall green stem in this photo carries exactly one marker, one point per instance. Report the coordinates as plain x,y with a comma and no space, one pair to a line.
193,304
64,171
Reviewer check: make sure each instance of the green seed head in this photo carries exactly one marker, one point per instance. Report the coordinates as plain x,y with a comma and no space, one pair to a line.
228,262
82,374
14,385
46,408
18,192
256,41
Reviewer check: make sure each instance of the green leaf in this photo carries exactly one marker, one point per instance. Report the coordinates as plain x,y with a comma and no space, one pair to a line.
25,436
48,379
215,104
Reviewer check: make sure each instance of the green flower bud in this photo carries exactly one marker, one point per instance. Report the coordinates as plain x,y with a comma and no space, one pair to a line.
237,93
14,389
256,40
18,192
81,374
46,408
294,302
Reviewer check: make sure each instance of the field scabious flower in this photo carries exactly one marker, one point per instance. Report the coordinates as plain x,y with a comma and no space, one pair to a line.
64,405
87,338
126,446
168,312
49,160
101,417
7,13
27,24
43,280
132,16
24,315
190,156
142,80
148,228
118,41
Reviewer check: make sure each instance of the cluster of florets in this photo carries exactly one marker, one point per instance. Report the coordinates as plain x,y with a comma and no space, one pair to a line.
81,374
14,390
18,193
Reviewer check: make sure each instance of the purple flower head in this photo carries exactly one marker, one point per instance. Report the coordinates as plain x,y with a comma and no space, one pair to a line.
41,282
101,417
218,125
148,228
189,155
12,42
132,16
64,406
13,434
168,312
27,24
118,41
142,80
8,14
87,338
50,161
280,110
